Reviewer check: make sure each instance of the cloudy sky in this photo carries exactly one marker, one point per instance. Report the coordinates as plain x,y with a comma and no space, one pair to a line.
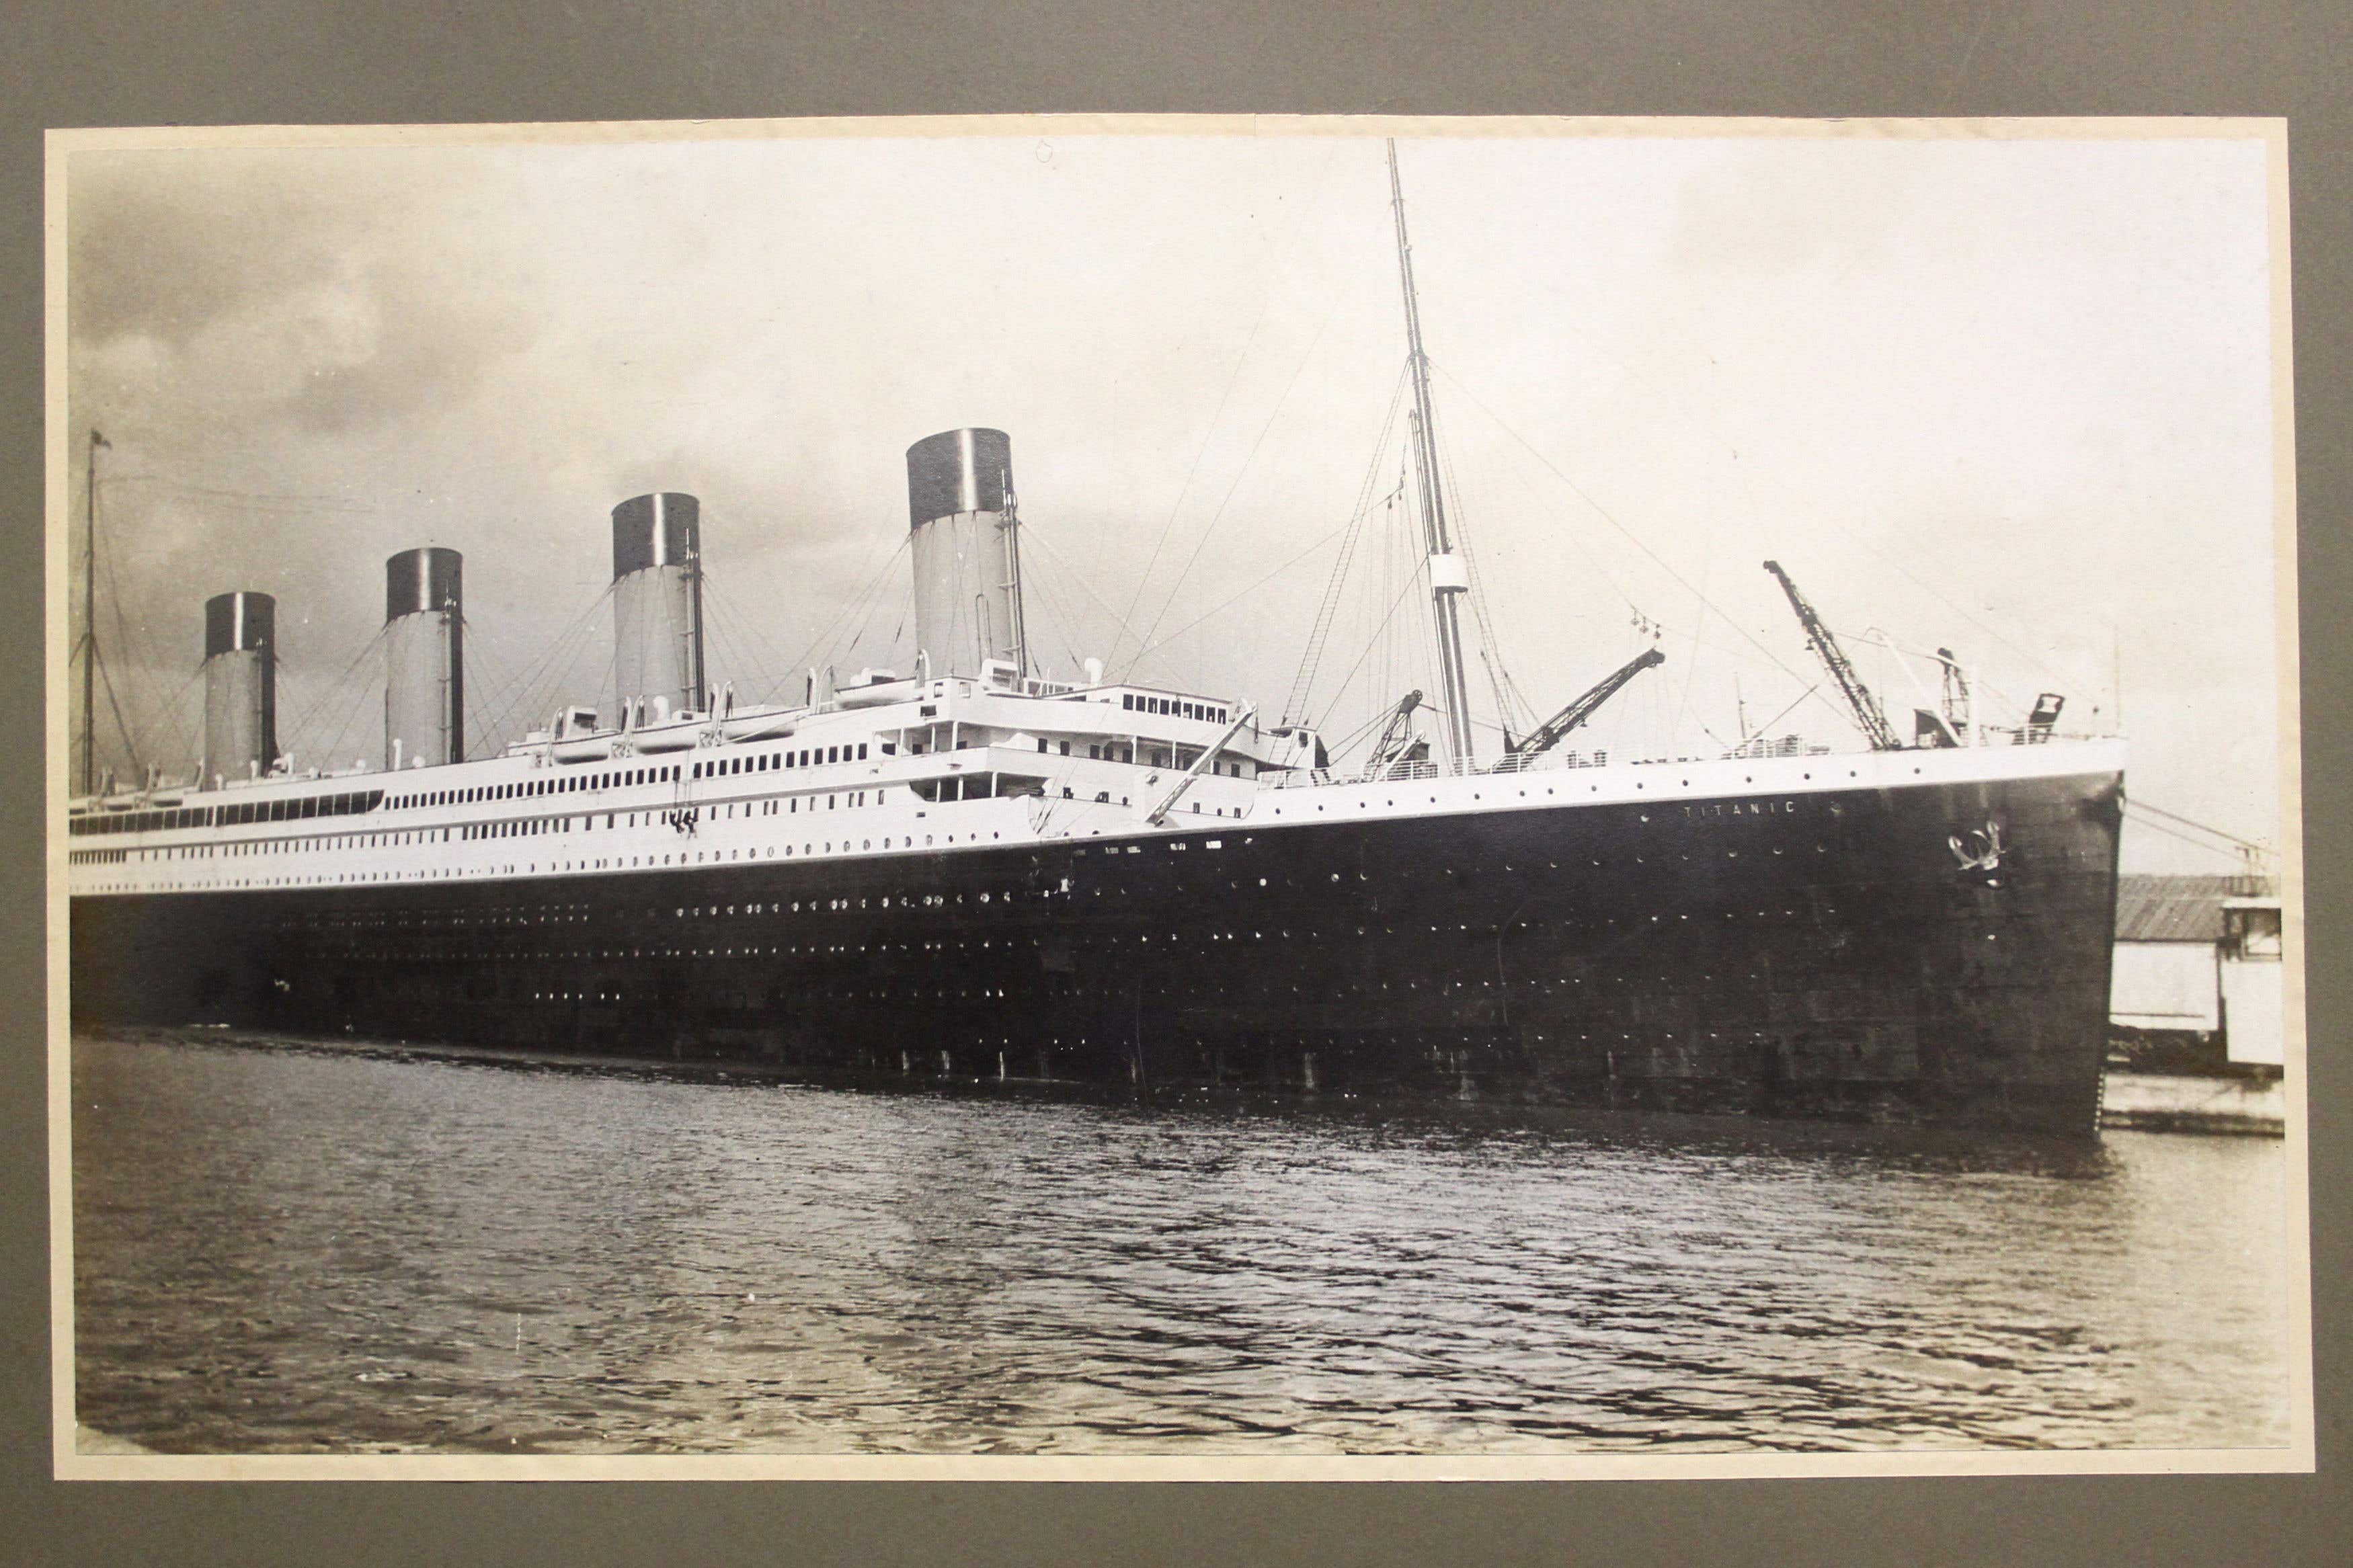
2008,396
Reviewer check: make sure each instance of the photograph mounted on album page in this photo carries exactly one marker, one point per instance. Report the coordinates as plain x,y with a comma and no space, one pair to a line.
1178,797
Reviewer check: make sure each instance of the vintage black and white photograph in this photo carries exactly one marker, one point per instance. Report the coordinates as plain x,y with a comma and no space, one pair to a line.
1052,797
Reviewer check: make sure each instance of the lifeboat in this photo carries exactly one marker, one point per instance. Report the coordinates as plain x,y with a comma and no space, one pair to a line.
590,748
760,726
679,734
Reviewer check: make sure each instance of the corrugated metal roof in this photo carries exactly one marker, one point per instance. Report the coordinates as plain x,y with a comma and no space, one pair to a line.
2176,908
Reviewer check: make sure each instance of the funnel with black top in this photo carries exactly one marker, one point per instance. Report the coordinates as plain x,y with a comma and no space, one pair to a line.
967,552
240,684
424,660
658,603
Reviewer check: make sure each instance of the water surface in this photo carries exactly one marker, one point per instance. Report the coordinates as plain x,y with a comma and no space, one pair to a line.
294,1251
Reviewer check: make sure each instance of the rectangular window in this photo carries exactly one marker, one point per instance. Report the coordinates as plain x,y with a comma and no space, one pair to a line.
862,751
1127,700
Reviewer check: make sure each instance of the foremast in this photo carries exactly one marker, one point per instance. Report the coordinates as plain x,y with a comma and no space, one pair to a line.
1449,580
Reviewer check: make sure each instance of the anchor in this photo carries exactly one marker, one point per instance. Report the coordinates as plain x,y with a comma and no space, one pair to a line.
1978,850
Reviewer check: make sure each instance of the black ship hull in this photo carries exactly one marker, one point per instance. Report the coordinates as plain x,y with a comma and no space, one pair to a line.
1939,952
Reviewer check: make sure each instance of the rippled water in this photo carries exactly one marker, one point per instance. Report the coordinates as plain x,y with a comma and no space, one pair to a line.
292,1251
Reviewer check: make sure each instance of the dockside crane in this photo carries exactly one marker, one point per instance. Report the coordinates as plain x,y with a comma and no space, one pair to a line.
1869,717
1550,733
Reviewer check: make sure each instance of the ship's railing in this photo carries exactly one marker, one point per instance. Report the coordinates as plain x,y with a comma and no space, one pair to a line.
1562,760
1397,773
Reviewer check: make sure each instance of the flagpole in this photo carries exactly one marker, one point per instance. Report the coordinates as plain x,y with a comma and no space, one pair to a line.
90,616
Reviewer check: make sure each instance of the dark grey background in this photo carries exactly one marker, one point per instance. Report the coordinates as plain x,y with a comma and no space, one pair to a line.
99,62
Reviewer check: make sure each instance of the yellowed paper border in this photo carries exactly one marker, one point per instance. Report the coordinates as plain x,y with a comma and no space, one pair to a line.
72,1463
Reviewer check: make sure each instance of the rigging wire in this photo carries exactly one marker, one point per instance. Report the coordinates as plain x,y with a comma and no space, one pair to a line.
1273,417
1699,624
2174,817
1229,602
1210,435
1320,629
1339,747
1029,531
1784,713
1058,612
717,640
1411,584
1481,610
249,501
106,678
747,626
143,692
729,625
331,691
2237,851
521,693
190,745
1592,560
1714,347
327,752
825,639
1607,516
1266,309
861,619
510,695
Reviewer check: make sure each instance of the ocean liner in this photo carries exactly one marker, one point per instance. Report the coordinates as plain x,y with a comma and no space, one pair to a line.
967,870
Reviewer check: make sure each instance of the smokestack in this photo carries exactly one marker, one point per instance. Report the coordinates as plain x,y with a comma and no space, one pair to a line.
424,659
967,552
658,601
240,683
